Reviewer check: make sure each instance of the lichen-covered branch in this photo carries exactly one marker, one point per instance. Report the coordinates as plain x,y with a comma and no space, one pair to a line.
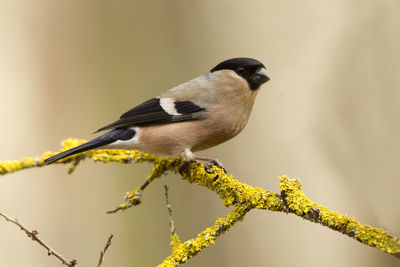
182,252
242,197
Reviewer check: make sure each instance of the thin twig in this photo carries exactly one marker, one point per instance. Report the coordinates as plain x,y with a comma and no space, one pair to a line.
34,235
171,221
108,243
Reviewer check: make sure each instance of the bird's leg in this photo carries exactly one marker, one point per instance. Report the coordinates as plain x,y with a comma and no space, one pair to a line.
188,157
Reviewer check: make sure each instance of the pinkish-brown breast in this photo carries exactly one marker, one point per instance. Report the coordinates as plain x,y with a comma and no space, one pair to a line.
223,121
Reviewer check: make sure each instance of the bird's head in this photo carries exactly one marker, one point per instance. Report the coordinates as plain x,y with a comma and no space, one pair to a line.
252,70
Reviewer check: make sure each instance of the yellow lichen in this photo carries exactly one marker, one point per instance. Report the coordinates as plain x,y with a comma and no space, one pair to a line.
184,251
175,241
298,203
243,198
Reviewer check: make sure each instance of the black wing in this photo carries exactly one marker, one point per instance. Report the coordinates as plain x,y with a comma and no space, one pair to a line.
152,113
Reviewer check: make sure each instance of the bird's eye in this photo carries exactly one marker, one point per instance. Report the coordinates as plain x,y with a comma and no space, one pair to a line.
240,70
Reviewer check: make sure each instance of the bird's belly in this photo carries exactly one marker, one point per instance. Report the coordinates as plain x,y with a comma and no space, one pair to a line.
221,130
172,139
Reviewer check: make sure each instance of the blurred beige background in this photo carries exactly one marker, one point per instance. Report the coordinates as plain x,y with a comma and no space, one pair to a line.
329,116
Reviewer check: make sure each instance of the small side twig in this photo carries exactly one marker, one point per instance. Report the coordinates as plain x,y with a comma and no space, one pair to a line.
175,241
171,221
34,235
108,243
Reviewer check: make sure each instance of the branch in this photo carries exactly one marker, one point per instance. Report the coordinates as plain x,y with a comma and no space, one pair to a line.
175,241
171,221
108,244
243,198
34,235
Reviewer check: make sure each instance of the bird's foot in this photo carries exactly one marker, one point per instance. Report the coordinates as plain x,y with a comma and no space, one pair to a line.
189,157
184,165
207,167
212,162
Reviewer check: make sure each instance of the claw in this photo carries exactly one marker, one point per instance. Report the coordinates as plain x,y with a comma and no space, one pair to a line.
184,165
213,162
215,178
216,163
208,168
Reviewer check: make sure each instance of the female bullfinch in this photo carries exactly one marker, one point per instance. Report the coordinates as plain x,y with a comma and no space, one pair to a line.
196,115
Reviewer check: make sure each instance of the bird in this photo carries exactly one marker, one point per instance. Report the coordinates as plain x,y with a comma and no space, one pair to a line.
193,116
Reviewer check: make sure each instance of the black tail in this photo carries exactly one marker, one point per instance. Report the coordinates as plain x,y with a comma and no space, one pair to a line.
105,139
86,146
